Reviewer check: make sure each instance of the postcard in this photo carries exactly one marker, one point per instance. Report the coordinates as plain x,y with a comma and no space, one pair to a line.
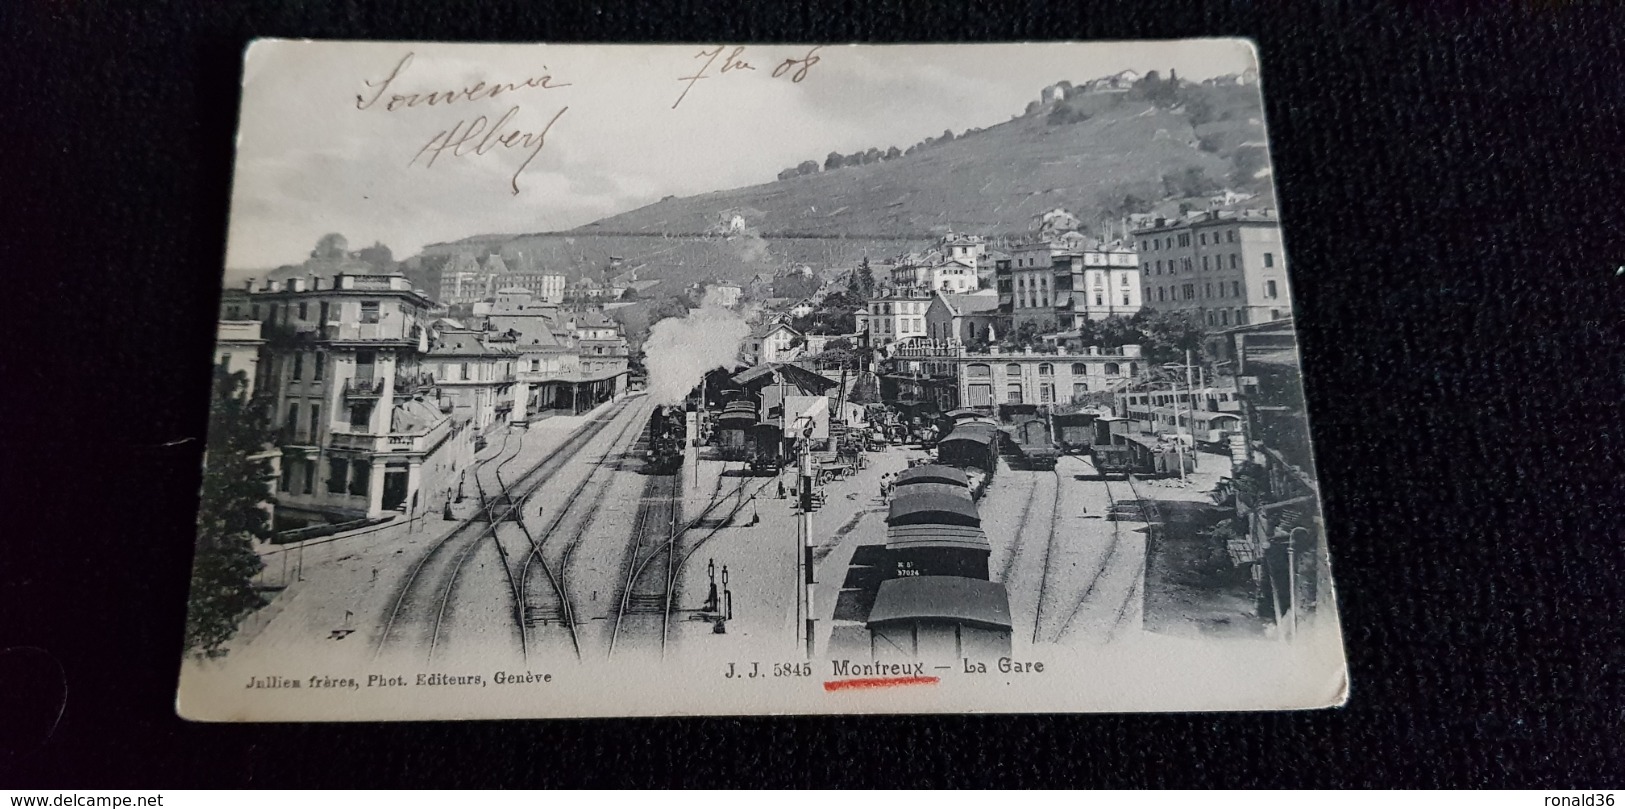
722,379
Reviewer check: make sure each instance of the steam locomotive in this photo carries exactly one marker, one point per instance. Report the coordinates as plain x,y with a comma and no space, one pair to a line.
668,433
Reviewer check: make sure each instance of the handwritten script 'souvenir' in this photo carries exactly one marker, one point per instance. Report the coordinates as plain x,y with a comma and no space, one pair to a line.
475,92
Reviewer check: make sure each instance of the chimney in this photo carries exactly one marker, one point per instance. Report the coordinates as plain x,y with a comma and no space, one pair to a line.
273,286
296,285
315,282
248,286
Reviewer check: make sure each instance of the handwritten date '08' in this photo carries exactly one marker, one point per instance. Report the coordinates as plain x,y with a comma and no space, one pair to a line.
723,60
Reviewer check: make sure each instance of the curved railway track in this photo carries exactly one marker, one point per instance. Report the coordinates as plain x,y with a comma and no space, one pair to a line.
1049,546
1106,559
536,558
423,598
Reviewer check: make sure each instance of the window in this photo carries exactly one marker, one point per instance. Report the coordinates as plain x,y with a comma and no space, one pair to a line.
315,425
1269,259
1269,289
1012,370
1190,292
1012,393
1184,240
1143,245
309,468
1046,393
272,317
254,311
1241,317
1204,240
1231,236
535,365
1275,314
1187,265
225,361
1156,244
978,370
293,421
1235,261
285,484
1125,297
1204,264
1079,369
1045,369
369,311
360,474
324,311
1111,369
1159,294
336,469
1235,289
463,369
1159,266
303,313
298,365
360,416
1099,299
1209,291
1079,389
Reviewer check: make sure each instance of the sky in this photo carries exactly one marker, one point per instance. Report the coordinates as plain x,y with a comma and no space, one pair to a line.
595,132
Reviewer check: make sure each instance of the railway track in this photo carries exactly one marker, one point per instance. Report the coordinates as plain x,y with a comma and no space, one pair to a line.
1112,514
422,603
1049,546
556,605
652,579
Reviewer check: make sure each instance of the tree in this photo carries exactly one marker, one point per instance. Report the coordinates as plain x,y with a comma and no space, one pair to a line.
630,294
838,344
893,153
864,278
230,517
833,161
807,167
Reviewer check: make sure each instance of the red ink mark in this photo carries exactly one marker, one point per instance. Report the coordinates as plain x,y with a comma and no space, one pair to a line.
877,682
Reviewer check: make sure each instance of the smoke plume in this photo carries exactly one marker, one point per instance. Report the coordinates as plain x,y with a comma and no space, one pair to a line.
681,350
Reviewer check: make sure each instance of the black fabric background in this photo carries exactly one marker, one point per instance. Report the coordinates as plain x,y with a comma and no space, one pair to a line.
1451,181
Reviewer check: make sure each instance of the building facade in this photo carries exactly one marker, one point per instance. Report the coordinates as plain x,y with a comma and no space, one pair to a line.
237,348
474,379
963,318
1224,268
986,380
359,430
774,342
1055,284
896,316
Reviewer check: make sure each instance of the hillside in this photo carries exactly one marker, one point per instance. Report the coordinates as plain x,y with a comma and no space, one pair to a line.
1100,155
992,181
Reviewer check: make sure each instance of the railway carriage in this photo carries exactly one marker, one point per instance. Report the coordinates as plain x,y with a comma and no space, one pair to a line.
970,444
940,619
734,429
1030,441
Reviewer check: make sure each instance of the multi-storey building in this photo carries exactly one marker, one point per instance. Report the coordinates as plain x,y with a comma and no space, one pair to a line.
544,286
896,316
1055,284
601,346
1223,268
997,378
475,379
774,342
359,431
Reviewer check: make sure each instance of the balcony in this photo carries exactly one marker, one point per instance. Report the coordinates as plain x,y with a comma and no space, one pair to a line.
367,442
392,332
409,384
363,388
